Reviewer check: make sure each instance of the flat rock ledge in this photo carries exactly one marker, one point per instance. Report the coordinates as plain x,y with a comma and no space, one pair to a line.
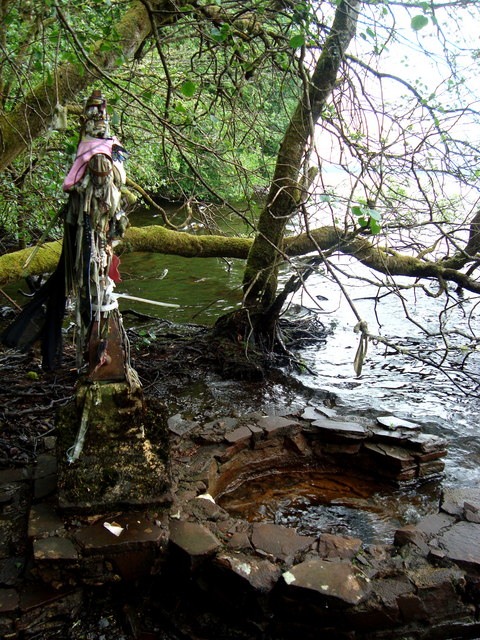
237,579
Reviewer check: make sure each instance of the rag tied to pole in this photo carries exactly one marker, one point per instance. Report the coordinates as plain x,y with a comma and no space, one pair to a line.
88,268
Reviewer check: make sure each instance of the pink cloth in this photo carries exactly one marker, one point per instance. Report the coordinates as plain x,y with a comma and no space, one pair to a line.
86,149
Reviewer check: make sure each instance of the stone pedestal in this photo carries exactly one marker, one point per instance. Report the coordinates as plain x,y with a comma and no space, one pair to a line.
124,458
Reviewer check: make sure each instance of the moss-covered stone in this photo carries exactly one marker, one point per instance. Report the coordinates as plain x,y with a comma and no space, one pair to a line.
125,457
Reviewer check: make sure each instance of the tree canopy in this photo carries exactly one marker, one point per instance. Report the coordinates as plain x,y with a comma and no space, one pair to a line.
326,127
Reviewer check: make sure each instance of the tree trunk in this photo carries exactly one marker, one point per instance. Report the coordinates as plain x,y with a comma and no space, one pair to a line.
266,253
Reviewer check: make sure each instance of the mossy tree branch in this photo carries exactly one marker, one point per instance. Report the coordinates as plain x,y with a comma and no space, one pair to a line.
155,239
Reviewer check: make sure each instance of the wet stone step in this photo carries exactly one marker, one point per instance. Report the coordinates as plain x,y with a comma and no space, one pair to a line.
315,413
43,521
125,532
393,423
54,548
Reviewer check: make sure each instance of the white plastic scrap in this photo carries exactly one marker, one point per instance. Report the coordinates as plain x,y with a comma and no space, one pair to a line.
206,496
114,528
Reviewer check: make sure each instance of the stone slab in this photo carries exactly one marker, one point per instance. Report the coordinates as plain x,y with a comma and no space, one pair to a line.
331,546
44,486
453,500
262,575
137,532
179,426
54,548
341,428
397,458
461,543
333,580
9,600
432,525
276,426
315,413
240,434
281,542
393,423
43,521
46,466
193,538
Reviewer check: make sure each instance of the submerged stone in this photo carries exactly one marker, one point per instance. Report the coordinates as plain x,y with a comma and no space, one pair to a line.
54,548
43,521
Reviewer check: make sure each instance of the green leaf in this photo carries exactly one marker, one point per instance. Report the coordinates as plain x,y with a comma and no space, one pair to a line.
297,41
374,226
376,215
188,88
357,211
362,222
418,22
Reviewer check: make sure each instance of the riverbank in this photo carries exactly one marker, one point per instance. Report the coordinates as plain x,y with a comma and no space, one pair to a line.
195,569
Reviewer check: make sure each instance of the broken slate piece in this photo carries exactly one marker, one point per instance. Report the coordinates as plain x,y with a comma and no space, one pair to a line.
179,426
335,580
193,538
461,544
349,429
453,500
391,422
238,435
281,542
260,574
275,426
